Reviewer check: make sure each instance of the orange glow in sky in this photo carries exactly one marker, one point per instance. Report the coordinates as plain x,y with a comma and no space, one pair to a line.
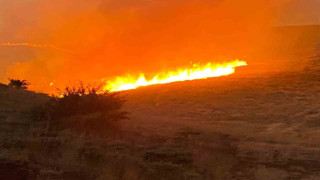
66,41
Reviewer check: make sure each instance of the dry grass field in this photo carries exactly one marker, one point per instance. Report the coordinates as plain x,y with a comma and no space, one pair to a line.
268,122
250,125
259,125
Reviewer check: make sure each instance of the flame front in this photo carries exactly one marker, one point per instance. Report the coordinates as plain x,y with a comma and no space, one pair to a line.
196,72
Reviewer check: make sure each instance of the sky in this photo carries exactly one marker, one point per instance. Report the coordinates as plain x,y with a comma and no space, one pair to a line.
299,12
99,39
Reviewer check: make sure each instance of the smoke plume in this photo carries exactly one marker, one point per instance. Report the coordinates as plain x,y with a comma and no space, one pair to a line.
116,37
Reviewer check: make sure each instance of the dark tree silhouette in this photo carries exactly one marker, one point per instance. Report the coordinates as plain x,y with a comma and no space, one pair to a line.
17,83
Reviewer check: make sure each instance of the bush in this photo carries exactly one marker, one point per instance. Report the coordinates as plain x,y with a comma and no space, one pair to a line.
85,100
17,83
85,108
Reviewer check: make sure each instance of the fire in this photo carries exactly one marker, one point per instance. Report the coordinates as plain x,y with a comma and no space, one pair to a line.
196,72
37,45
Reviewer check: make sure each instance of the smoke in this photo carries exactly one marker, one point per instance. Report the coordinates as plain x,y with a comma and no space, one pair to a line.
36,45
117,37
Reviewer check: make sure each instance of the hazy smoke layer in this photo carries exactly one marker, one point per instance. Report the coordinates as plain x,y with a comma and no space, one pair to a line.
116,37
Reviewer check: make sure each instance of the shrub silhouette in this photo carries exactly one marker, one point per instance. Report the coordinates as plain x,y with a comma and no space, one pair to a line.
85,108
17,83
86,100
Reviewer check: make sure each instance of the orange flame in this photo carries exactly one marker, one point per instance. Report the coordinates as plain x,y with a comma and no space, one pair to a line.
37,45
196,72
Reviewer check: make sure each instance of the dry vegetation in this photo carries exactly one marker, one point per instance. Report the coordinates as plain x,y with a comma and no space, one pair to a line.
246,126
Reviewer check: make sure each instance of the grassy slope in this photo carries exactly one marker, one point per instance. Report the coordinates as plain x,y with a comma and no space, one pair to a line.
14,129
271,119
244,126
18,99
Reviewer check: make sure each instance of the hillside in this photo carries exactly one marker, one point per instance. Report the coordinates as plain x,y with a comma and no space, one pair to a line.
268,120
260,123
12,99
